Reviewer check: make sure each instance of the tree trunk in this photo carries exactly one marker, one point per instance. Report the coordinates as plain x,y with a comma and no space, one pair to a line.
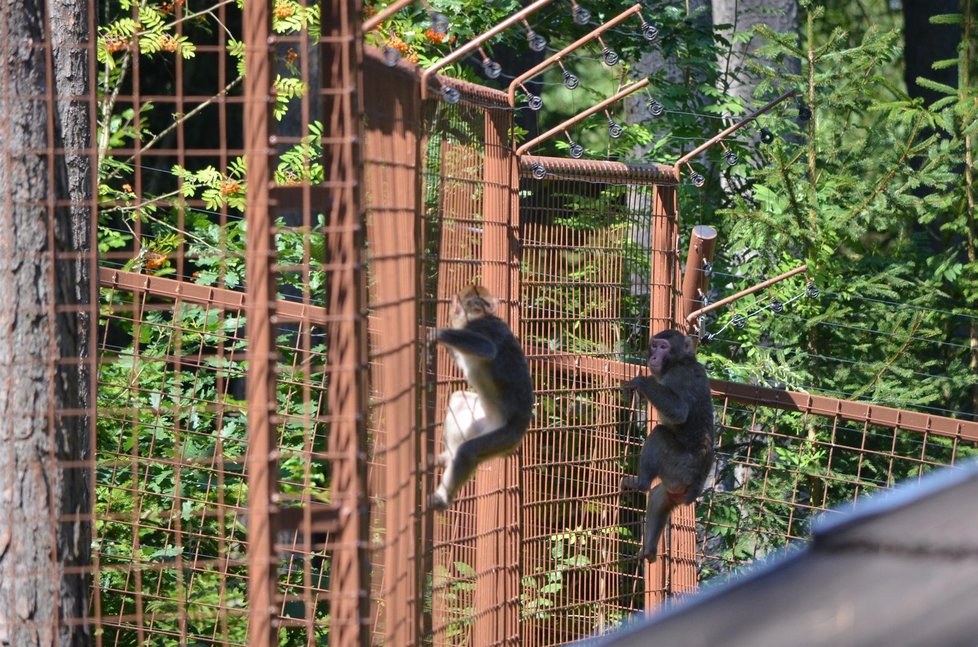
46,263
925,43
780,15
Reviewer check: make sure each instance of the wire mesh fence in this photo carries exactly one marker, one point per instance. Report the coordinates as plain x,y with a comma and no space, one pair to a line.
251,459
785,459
591,233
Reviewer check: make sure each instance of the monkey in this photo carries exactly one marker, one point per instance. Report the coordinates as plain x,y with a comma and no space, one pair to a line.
492,418
679,451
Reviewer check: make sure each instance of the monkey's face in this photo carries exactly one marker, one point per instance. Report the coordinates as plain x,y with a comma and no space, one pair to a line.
471,303
659,350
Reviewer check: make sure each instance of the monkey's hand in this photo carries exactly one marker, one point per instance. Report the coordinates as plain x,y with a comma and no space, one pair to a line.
640,384
633,384
629,483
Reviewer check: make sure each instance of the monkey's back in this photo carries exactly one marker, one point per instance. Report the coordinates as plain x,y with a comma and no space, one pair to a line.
690,445
509,371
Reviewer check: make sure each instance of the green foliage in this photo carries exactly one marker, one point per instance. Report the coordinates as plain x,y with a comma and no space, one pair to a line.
857,193
867,192
171,443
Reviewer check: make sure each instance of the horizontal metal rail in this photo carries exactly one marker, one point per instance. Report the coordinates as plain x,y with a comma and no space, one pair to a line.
205,295
595,366
863,412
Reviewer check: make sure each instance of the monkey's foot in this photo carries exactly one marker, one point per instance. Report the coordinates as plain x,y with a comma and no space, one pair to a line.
648,556
439,501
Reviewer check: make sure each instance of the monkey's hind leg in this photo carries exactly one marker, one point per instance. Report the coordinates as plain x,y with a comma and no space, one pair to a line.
459,469
482,446
464,419
648,466
656,518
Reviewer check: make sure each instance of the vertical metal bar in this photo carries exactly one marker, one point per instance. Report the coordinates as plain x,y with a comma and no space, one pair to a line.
664,267
428,364
391,152
347,354
701,243
498,495
661,317
262,465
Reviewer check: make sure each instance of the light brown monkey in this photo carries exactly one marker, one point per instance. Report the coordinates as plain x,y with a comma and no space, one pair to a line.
491,419
679,451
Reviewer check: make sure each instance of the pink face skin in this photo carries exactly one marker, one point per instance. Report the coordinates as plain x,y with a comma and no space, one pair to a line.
658,351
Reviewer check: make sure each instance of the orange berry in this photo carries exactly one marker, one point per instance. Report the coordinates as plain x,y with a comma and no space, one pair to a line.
434,36
284,9
153,261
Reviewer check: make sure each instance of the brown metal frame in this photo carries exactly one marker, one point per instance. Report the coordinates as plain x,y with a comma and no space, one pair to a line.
262,461
479,40
536,69
618,96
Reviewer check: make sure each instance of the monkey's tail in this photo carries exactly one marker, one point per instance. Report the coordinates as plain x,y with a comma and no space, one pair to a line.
656,518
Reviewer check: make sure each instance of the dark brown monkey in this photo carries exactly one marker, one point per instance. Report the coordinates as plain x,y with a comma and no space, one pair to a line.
679,451
492,420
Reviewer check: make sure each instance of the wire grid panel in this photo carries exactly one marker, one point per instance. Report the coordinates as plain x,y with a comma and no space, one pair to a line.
780,469
472,548
589,249
171,446
170,491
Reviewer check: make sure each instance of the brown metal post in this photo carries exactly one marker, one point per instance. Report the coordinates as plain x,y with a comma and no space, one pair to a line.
701,243
665,228
346,302
391,177
262,465
498,495
677,571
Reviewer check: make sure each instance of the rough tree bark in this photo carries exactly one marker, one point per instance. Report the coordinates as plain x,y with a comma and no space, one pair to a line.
46,262
780,15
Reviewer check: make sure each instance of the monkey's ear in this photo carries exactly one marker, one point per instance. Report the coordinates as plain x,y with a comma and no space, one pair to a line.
493,304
